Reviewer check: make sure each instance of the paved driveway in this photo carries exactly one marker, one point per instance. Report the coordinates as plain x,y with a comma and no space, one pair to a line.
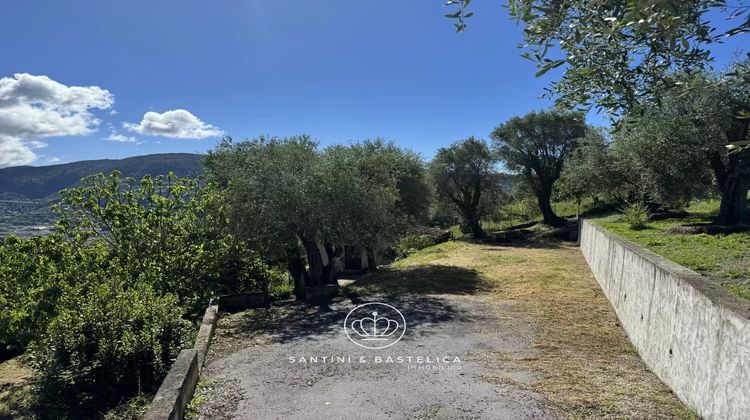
533,334
261,365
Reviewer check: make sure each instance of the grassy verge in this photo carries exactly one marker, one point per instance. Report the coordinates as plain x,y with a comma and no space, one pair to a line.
723,258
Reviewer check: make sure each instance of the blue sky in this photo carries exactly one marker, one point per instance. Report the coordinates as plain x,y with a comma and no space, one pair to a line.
339,70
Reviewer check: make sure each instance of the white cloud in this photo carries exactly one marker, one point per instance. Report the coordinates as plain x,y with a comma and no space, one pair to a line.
13,152
113,136
37,106
177,123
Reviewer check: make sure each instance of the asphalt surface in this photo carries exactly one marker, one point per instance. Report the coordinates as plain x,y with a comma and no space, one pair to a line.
255,368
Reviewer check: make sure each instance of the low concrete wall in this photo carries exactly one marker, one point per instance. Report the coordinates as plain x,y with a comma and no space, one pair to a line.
178,387
692,333
205,334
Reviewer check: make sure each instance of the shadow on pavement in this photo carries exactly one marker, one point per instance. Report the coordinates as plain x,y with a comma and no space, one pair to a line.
406,289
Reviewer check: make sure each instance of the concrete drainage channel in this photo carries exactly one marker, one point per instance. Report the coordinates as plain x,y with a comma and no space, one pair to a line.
178,387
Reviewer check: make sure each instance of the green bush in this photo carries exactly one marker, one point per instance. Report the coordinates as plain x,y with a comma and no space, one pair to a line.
108,342
172,233
410,244
279,282
636,216
105,304
33,276
524,209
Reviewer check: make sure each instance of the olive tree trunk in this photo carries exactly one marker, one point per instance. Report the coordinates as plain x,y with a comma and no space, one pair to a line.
733,179
471,221
296,266
544,200
733,209
320,262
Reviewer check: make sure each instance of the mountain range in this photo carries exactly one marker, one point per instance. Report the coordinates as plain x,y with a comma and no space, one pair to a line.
37,182
27,192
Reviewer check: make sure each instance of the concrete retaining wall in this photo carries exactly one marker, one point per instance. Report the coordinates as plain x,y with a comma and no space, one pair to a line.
178,387
692,333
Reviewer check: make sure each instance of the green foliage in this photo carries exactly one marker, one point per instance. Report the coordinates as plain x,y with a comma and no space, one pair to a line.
460,14
636,216
33,275
410,244
279,283
617,53
105,304
172,233
283,192
107,341
465,178
536,146
526,209
592,170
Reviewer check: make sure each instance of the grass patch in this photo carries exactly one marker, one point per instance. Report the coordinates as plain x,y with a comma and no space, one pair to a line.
500,259
586,363
723,258
134,408
199,398
16,389
427,255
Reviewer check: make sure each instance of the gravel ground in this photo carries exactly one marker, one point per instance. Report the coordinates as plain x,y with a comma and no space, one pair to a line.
250,374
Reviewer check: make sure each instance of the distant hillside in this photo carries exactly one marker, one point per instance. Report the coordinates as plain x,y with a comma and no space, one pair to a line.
38,182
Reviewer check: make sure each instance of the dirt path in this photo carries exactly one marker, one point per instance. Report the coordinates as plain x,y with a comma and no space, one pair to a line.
510,332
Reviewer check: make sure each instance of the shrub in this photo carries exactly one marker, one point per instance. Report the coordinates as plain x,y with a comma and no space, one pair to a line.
108,342
103,304
410,244
173,233
636,216
524,209
32,279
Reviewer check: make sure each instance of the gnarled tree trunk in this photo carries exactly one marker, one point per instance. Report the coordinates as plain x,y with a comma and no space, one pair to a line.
296,267
329,265
733,179
320,262
733,209
471,221
544,199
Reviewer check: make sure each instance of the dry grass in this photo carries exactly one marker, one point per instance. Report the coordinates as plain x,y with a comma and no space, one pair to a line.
584,363
15,388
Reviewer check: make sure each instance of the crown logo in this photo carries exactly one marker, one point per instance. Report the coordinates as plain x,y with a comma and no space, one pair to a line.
377,328
374,325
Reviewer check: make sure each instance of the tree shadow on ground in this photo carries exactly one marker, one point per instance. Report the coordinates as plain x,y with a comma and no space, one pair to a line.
410,290
534,235
427,279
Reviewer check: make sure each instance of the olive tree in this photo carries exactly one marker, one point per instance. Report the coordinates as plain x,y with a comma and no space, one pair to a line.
536,146
291,199
464,174
615,53
592,170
